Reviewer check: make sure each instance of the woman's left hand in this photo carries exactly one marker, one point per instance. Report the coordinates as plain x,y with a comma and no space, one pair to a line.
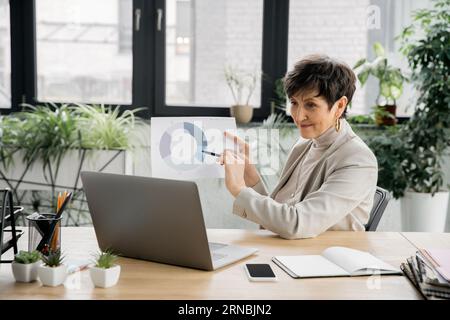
234,171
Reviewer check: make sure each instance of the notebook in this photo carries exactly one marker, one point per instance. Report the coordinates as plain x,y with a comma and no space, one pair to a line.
425,279
440,259
334,262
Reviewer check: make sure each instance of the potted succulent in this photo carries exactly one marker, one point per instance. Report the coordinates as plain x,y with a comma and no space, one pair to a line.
390,80
25,266
106,272
426,44
52,273
242,85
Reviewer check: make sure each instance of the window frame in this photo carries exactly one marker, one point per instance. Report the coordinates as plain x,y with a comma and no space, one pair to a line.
148,60
22,37
274,64
10,62
24,64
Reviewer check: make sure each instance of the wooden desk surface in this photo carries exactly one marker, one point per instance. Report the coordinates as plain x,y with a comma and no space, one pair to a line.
149,280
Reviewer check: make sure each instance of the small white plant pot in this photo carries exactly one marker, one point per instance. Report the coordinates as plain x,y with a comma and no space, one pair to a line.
105,278
52,276
25,272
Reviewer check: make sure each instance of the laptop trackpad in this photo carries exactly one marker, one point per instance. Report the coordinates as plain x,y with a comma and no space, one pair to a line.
225,254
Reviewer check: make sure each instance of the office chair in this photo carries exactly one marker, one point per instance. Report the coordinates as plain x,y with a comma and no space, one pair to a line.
380,202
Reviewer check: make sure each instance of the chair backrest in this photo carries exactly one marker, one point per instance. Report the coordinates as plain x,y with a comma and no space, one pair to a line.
380,202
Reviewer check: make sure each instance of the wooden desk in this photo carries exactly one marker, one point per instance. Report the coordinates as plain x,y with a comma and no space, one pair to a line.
149,280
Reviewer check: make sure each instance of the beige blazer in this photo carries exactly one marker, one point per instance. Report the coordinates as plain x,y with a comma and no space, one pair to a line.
338,195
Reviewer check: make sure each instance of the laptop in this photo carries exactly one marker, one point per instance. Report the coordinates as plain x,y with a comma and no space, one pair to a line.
154,219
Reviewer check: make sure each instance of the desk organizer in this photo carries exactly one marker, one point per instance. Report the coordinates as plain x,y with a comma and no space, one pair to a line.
44,232
9,235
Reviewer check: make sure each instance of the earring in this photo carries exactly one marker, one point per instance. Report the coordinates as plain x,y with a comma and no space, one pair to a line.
337,125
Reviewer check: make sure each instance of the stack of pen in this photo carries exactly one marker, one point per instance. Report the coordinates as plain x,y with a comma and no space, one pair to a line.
55,238
51,239
429,272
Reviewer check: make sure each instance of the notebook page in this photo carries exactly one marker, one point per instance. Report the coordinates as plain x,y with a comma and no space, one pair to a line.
357,262
311,266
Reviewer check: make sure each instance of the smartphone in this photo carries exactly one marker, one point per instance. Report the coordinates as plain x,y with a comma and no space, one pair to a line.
260,272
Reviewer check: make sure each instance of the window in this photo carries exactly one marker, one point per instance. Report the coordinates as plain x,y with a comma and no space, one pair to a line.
334,28
202,37
168,56
394,17
84,51
347,30
5,56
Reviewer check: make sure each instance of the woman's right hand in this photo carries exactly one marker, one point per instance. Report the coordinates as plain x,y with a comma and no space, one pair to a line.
251,175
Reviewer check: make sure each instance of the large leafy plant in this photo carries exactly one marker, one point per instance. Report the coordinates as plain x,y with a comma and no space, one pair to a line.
388,147
390,84
105,128
390,78
47,132
426,44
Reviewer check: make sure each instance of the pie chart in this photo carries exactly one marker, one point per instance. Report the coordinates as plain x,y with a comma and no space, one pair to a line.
195,133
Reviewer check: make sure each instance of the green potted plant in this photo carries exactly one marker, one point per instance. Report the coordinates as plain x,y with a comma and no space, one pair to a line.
390,84
52,272
25,266
426,44
38,142
388,147
367,119
106,272
242,85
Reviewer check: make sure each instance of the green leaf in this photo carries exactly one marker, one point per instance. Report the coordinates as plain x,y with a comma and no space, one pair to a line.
25,257
385,89
378,49
364,75
54,258
359,63
105,259
396,91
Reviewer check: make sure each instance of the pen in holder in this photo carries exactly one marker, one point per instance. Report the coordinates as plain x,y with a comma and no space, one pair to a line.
44,232
48,227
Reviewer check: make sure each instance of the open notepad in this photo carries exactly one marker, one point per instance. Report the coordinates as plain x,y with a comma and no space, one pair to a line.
334,262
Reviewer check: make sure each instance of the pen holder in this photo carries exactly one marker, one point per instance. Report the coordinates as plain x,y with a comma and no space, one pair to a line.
44,232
